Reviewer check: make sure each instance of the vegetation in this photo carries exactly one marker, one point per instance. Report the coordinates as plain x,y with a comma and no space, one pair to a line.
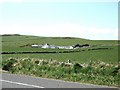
97,64
23,43
96,72
105,55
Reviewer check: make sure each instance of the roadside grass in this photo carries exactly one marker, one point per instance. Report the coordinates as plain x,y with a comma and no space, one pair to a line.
95,72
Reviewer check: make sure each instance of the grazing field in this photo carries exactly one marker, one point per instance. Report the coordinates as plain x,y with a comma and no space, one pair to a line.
23,43
109,56
99,51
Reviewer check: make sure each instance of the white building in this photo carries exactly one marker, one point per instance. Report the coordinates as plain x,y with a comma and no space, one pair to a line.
65,47
52,46
35,46
46,46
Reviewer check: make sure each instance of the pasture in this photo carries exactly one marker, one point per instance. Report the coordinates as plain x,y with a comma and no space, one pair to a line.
22,43
99,51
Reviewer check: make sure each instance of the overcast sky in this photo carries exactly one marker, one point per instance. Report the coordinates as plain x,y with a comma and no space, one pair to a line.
90,20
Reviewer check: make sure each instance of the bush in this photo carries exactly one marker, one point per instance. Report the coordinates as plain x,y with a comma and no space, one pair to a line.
77,67
8,64
88,70
90,73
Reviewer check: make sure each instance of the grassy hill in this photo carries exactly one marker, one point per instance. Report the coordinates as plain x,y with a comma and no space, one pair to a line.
15,42
20,43
98,61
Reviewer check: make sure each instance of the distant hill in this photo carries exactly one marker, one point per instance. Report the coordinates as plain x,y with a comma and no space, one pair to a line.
14,41
11,35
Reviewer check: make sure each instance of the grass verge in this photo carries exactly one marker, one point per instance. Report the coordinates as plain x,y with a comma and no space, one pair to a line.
95,72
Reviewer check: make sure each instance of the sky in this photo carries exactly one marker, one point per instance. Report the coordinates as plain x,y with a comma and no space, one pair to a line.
90,20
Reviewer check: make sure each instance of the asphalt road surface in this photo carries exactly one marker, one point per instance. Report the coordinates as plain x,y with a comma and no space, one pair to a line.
24,81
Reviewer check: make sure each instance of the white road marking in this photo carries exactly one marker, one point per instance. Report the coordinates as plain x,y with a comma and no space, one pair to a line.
22,84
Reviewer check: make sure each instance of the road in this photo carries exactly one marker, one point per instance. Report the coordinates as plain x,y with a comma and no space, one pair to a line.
24,81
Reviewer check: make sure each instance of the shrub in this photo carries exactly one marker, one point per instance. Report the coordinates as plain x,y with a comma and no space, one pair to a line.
9,64
77,67
90,73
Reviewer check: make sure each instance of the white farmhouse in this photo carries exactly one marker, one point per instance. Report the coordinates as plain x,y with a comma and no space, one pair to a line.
46,46
65,47
35,46
52,46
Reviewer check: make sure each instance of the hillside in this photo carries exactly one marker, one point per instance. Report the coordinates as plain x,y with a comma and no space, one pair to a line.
15,42
96,64
22,43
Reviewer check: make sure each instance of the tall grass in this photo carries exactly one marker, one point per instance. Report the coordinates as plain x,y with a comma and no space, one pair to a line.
95,72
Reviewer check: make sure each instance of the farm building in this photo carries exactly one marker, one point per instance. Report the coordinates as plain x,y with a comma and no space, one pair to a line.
58,47
46,46
49,46
65,47
35,46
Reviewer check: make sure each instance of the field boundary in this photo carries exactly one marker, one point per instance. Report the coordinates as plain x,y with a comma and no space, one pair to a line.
69,51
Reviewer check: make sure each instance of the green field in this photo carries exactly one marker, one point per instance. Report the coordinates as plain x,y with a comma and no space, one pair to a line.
13,43
101,59
23,43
